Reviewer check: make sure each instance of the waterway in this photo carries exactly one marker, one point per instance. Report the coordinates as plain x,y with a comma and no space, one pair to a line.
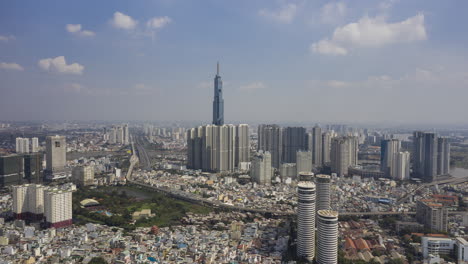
459,172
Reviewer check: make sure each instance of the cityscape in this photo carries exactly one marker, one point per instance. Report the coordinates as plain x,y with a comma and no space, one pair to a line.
372,171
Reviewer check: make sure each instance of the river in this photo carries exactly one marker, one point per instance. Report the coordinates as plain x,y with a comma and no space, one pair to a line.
459,172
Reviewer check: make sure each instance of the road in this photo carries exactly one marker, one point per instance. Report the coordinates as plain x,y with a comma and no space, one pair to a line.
217,204
425,185
133,161
145,161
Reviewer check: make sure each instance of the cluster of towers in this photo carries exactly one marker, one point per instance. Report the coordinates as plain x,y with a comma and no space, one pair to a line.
26,145
313,212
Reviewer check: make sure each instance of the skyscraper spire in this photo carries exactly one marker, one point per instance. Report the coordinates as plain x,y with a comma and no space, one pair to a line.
218,102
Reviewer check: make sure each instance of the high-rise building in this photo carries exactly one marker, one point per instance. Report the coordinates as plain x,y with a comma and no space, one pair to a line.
431,155
443,156
56,149
344,153
303,161
83,175
305,176
34,144
388,149
28,202
22,145
19,169
294,139
218,102
432,215
401,166
288,170
261,170
306,220
322,182
316,144
270,139
214,148
58,208
126,135
326,147
327,237
242,151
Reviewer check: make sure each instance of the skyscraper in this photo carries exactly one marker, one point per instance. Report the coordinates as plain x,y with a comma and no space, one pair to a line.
34,144
326,146
303,161
401,166
58,208
242,151
316,142
270,139
344,153
28,201
432,215
294,139
443,156
322,182
431,155
215,148
261,170
388,149
218,102
56,150
306,220
327,237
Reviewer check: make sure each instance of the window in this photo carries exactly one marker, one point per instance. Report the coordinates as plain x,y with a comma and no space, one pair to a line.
57,144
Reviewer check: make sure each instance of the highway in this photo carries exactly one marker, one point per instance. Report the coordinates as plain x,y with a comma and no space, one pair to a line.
145,161
133,160
425,185
217,204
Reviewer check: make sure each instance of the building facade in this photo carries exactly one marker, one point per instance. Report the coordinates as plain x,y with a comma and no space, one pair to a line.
322,182
306,221
344,153
58,208
327,237
261,170
294,139
218,101
270,139
432,215
303,161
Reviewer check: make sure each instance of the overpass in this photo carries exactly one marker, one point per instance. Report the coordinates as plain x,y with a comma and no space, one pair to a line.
188,197
425,185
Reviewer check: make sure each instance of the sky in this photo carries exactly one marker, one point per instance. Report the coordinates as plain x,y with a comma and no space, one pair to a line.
385,61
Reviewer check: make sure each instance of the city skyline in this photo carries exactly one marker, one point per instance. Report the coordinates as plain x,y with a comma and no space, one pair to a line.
296,61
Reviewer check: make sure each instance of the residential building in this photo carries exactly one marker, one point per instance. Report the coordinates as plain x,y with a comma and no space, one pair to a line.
58,208
388,149
261,170
327,237
294,139
28,202
303,161
270,138
432,215
322,183
306,220
344,153
83,175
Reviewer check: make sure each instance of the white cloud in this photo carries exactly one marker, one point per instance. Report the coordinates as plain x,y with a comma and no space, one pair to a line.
371,32
123,21
59,65
7,38
76,29
284,15
158,22
332,13
11,66
327,47
253,86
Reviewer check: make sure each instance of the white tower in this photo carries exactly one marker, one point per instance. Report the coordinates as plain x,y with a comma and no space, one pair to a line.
327,237
306,220
323,192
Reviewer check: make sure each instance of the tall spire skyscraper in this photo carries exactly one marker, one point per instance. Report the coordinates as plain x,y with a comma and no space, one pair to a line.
218,102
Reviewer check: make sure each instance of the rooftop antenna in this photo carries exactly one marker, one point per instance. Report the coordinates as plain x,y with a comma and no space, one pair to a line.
217,69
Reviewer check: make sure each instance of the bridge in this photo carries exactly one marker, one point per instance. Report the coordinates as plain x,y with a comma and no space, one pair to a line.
133,161
425,185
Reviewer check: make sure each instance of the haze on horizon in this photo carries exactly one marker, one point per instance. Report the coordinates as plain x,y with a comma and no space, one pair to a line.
280,61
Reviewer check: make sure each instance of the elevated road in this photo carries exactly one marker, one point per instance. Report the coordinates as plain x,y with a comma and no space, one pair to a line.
133,161
181,195
145,161
425,185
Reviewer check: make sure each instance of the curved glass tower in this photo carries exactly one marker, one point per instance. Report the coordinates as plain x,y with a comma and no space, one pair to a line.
218,102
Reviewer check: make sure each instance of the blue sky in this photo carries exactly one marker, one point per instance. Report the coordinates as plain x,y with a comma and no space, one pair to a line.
299,61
